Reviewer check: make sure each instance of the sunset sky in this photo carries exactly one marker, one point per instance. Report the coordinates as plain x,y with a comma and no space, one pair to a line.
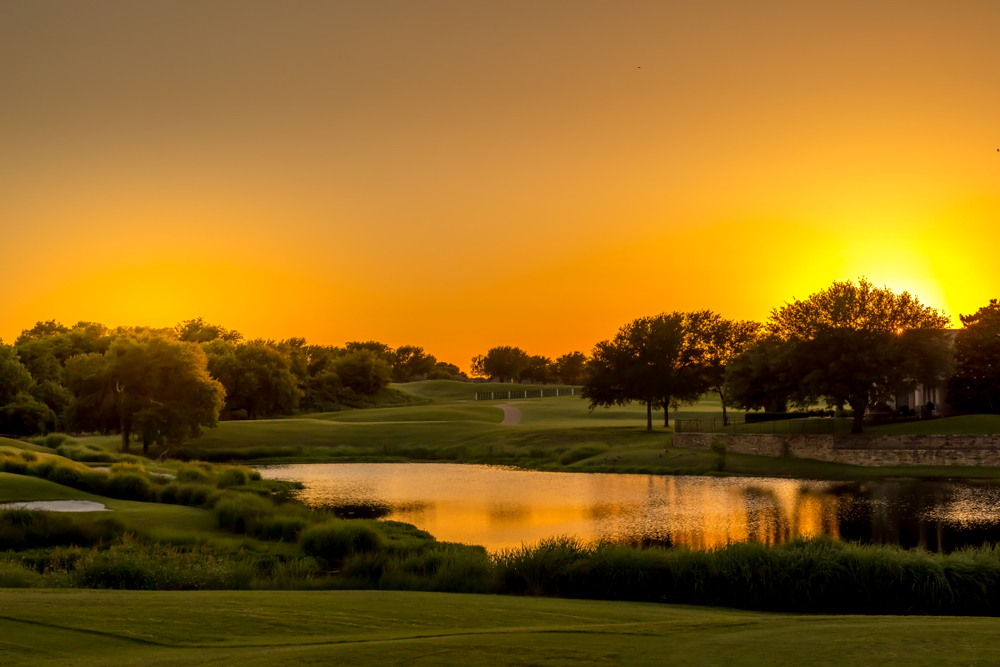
460,175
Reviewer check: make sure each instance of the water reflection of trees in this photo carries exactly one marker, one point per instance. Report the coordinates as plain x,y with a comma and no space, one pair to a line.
772,514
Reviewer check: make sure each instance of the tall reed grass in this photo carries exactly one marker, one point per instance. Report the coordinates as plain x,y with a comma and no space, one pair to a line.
815,576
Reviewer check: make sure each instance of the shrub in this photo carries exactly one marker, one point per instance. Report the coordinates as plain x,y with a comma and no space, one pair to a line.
234,476
278,528
334,540
168,494
193,474
53,440
135,566
13,464
129,486
24,529
718,448
87,453
14,574
195,495
123,467
239,512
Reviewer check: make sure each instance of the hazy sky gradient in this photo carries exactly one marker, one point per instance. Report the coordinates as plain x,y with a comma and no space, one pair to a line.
459,175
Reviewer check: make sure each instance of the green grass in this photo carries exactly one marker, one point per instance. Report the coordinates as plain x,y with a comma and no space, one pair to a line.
425,413
160,522
91,628
963,425
135,515
450,426
21,445
449,390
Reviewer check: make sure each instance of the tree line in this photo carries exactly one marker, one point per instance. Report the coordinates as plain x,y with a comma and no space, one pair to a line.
512,364
850,345
165,385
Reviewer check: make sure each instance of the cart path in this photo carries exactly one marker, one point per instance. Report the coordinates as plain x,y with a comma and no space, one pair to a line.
511,415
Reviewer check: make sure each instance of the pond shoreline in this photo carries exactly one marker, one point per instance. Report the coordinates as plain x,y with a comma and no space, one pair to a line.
503,506
809,469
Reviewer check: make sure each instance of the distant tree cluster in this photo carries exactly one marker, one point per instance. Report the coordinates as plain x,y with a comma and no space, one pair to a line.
665,361
163,386
512,364
852,344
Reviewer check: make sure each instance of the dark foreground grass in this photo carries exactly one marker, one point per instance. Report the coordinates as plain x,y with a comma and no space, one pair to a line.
98,628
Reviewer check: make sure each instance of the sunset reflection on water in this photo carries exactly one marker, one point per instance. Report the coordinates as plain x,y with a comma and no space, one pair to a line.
501,507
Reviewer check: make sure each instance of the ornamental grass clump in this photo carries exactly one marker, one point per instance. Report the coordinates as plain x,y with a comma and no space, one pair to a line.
278,528
195,473
238,512
133,565
28,529
335,540
15,574
129,486
237,476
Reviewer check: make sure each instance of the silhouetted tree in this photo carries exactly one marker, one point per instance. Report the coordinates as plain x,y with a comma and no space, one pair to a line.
380,350
200,331
760,377
539,369
410,361
570,367
975,387
444,371
504,363
652,360
723,339
857,344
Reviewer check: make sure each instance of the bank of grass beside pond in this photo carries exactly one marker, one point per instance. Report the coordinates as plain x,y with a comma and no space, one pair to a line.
239,532
810,576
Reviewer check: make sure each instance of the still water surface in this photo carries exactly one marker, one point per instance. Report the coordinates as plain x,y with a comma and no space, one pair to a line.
502,507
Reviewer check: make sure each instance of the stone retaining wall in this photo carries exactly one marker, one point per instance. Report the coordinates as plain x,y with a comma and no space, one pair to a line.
879,450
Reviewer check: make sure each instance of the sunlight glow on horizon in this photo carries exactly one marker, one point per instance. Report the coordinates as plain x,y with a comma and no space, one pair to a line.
459,177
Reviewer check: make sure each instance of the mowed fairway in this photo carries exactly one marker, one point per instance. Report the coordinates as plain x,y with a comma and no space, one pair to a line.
92,628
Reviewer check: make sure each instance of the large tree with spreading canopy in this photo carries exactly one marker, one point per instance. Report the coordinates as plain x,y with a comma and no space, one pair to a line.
656,361
851,343
152,387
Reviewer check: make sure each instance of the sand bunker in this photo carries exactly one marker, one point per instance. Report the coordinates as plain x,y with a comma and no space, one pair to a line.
57,506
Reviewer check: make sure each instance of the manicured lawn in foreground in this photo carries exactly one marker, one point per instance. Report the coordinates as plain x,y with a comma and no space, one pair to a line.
91,628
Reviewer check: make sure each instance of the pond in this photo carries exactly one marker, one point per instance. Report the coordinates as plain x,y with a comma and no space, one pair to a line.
501,507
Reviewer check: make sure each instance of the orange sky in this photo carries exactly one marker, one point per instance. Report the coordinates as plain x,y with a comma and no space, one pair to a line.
461,175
